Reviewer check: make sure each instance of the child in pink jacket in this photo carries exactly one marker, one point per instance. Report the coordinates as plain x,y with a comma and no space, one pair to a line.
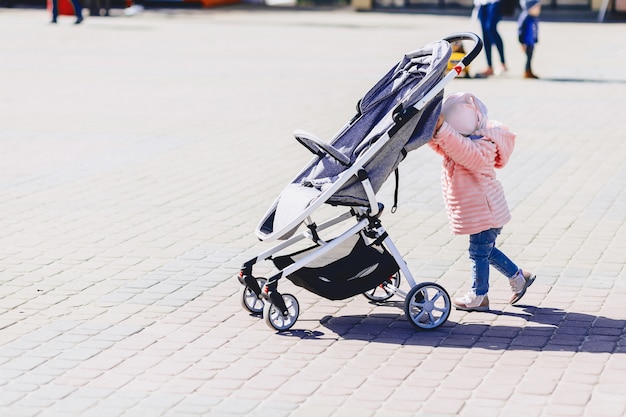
472,147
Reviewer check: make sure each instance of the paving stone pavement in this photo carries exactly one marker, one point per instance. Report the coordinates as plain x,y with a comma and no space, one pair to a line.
139,153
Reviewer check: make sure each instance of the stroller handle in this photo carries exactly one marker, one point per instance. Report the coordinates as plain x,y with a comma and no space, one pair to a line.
467,36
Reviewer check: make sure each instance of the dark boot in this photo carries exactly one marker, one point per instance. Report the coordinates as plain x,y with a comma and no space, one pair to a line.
529,74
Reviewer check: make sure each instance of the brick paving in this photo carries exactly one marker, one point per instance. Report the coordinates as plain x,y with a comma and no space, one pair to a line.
140,153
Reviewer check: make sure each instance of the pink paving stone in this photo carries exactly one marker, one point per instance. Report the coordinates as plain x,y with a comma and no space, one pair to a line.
334,391
183,386
613,386
607,406
536,387
143,361
251,393
183,336
591,368
299,387
348,411
169,368
565,410
266,382
240,373
405,393
144,385
373,392
401,408
580,378
443,406
461,378
222,384
111,380
341,380
494,390
330,401
565,394
392,372
137,342
530,410
103,362
488,407
364,407
199,372
75,381
79,373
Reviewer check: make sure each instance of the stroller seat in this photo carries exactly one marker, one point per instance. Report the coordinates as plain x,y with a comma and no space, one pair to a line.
295,199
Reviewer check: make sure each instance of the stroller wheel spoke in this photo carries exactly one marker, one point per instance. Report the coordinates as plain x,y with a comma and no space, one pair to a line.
436,297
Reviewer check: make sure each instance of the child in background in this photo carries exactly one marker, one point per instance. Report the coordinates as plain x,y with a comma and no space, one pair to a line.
472,147
528,30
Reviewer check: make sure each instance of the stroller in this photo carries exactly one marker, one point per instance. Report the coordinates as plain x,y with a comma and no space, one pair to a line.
396,116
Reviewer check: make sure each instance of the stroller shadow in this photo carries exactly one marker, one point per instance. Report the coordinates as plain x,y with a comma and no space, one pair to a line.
540,329
581,80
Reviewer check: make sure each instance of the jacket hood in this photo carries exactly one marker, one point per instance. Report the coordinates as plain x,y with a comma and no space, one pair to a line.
504,140
465,113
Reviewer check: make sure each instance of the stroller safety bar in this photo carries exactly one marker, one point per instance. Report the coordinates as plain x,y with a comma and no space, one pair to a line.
319,147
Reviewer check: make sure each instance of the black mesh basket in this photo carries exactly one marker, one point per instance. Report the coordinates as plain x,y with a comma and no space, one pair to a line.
353,268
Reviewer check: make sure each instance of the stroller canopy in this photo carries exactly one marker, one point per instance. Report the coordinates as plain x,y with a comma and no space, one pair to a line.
400,89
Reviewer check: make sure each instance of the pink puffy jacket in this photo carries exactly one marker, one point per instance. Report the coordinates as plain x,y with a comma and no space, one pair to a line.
474,197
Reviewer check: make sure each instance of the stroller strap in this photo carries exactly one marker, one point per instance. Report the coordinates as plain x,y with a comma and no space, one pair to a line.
397,187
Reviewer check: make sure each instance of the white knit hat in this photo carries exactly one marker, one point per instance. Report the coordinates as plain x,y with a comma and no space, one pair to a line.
464,112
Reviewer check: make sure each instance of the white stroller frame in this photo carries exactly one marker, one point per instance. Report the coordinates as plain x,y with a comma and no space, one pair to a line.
427,305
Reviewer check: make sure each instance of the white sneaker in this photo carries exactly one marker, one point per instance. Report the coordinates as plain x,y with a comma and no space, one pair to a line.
133,10
519,284
472,302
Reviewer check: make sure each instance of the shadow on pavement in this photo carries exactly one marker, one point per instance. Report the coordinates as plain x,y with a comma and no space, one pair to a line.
581,80
542,329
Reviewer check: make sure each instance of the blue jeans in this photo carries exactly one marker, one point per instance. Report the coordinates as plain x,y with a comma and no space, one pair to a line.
483,252
78,9
489,16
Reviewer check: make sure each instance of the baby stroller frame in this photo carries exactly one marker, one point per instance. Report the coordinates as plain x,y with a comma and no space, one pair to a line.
374,263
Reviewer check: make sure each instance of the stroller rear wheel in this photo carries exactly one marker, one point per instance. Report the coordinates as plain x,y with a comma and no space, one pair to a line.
383,292
427,305
249,299
275,318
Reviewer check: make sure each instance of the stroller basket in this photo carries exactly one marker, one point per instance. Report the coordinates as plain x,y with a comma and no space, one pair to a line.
342,276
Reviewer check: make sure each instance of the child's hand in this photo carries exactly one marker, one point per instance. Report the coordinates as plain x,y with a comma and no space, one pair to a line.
439,123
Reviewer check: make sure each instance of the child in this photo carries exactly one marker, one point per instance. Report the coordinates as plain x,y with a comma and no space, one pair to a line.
472,147
528,30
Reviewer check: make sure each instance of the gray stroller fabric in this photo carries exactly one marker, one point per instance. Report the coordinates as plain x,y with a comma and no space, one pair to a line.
406,84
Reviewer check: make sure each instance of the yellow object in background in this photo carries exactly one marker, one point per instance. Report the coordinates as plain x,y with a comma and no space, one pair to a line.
458,53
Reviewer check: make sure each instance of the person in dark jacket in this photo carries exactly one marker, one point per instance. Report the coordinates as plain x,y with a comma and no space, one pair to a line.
528,31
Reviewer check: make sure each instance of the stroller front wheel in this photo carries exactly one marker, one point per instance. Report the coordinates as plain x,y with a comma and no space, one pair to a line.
275,318
427,305
250,300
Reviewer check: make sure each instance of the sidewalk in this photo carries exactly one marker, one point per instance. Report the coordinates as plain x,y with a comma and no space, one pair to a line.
140,153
